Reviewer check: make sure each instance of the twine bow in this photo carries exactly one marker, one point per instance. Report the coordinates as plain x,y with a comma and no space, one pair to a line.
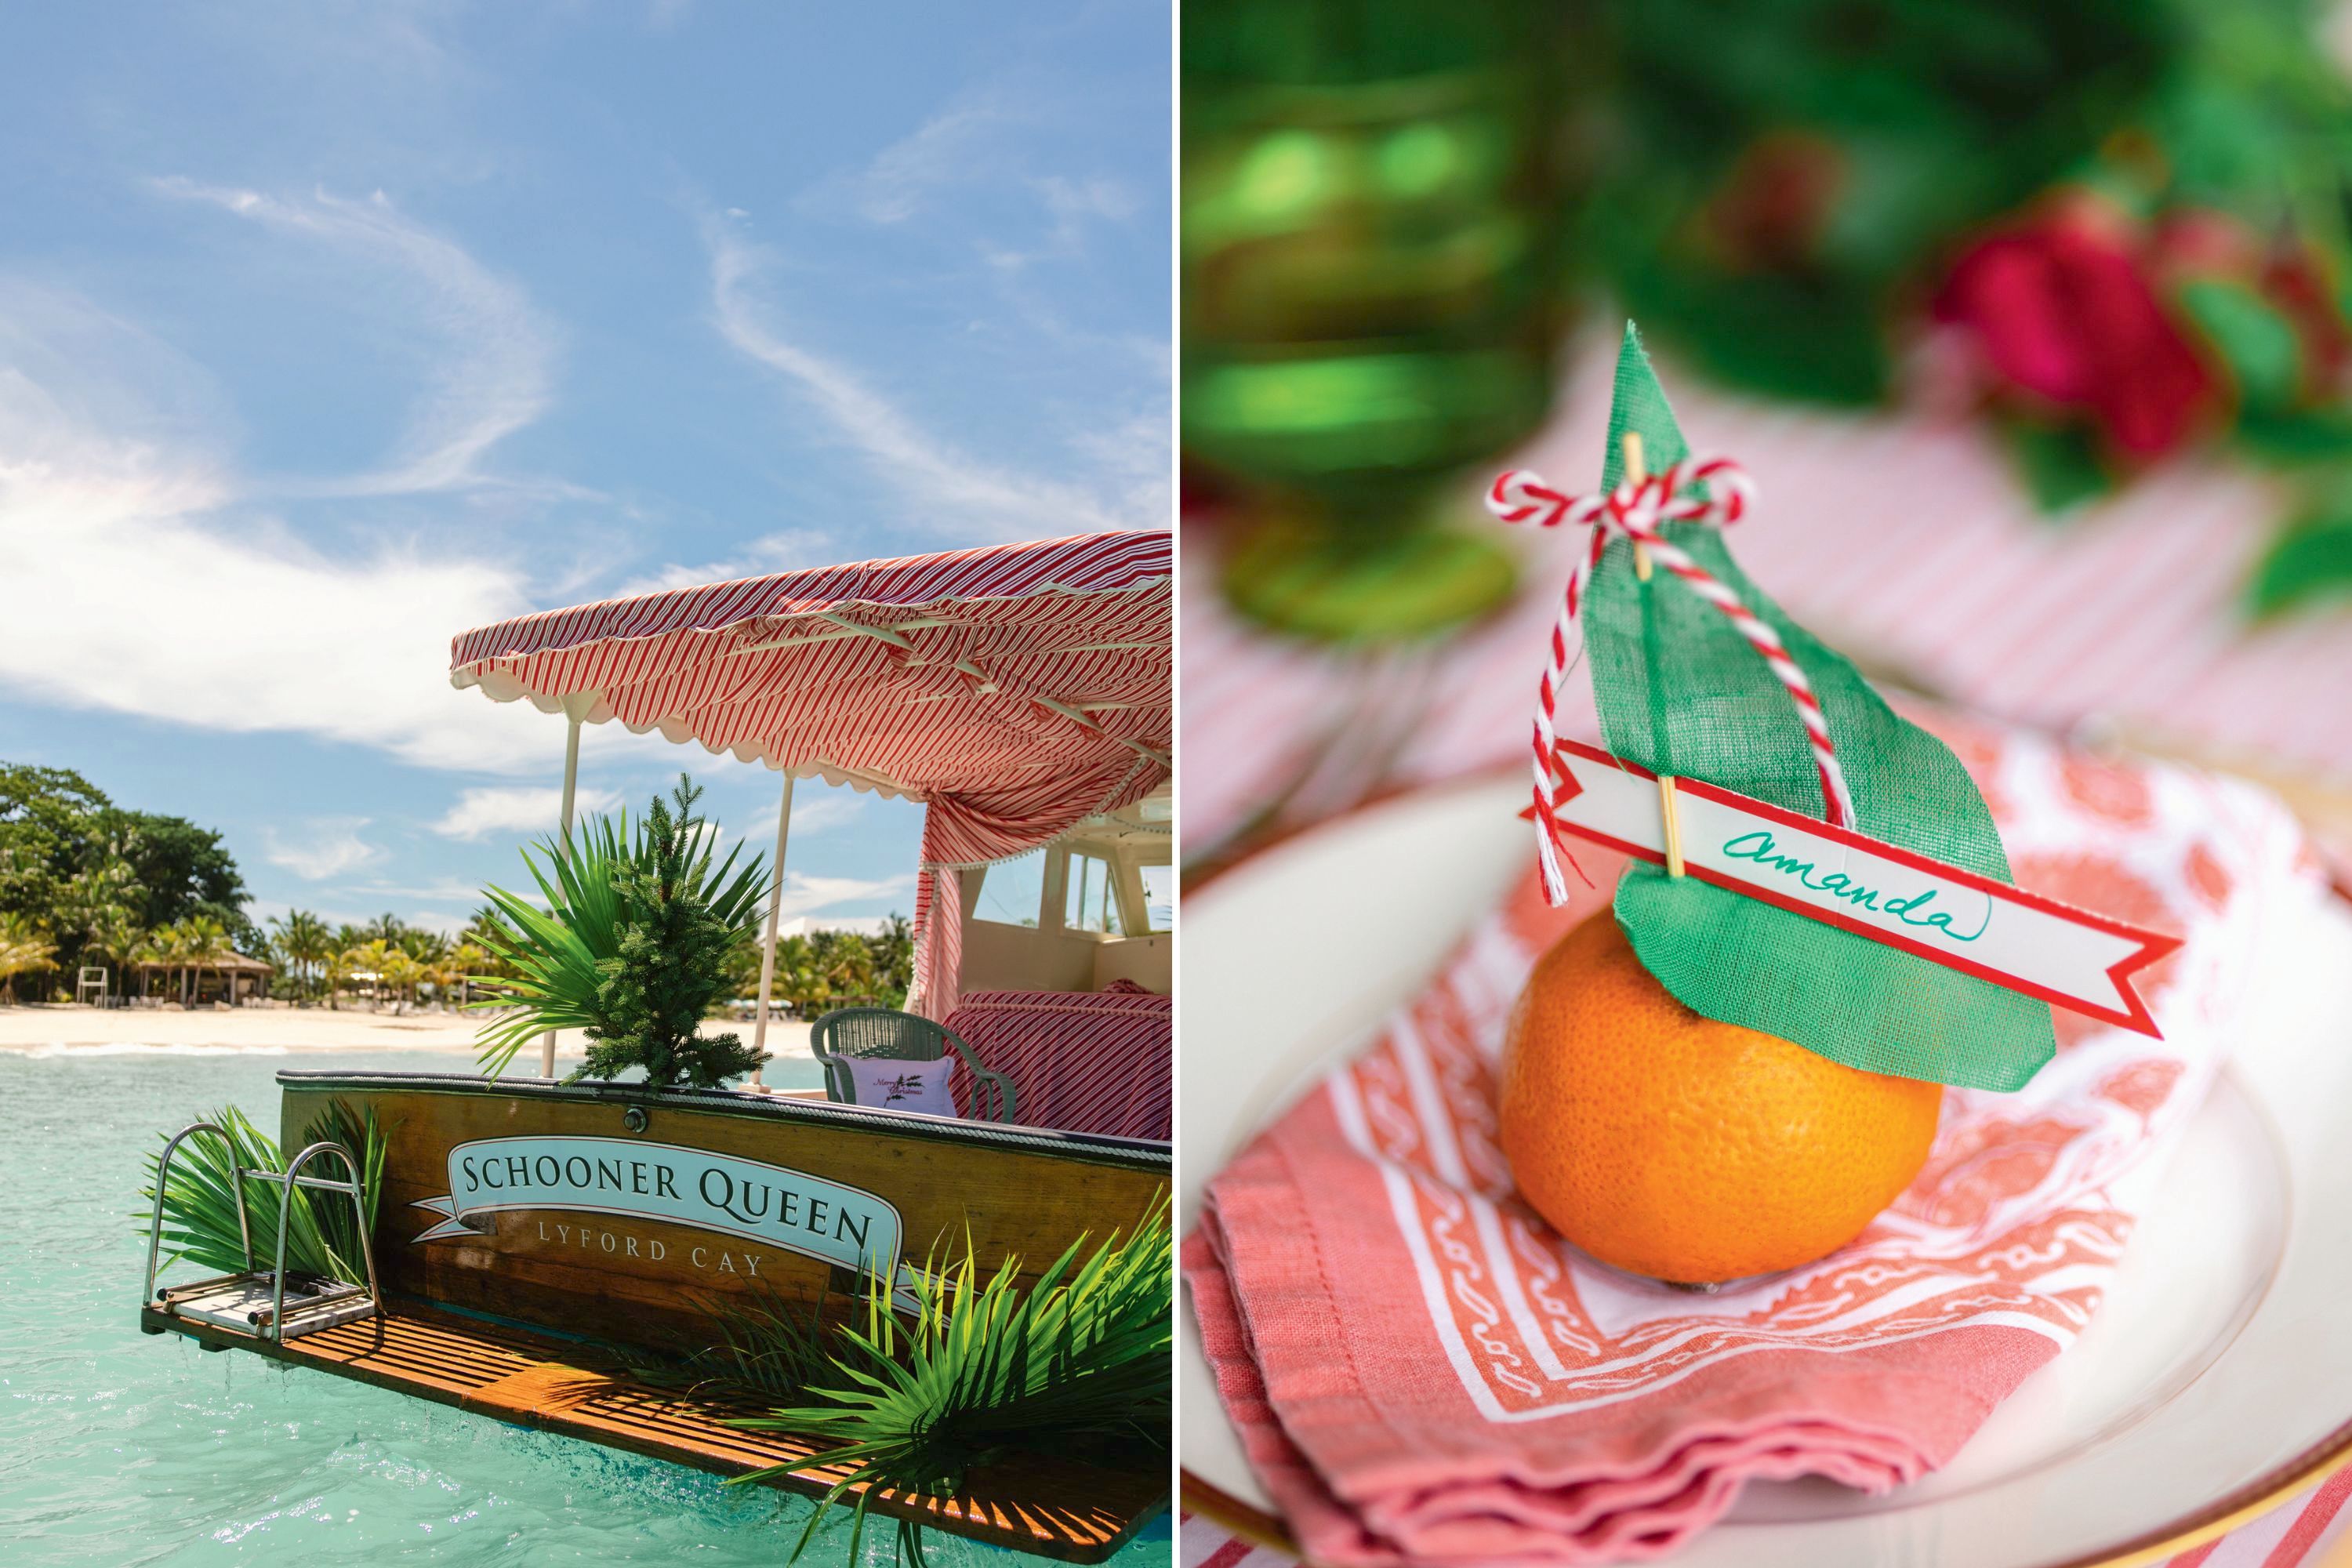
1636,509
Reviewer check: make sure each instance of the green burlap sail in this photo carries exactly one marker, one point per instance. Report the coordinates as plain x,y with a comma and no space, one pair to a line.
1682,692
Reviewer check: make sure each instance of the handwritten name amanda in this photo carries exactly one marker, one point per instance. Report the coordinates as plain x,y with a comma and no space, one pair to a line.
1759,847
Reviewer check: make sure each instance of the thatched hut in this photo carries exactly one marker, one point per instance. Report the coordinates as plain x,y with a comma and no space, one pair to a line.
232,978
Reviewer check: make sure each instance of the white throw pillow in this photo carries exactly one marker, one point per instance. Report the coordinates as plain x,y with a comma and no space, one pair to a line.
889,1085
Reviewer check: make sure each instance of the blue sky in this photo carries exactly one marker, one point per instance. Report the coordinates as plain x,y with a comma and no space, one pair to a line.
330,330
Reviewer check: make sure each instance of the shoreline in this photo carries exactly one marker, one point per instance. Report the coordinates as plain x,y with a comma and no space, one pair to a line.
55,1030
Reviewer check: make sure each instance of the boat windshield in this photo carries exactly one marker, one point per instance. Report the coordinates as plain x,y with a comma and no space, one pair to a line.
1089,910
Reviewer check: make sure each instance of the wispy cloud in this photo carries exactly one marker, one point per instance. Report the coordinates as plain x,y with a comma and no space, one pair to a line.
964,495
322,848
974,142
493,373
942,152
1072,206
140,580
530,811
788,550
518,809
1131,455
354,649
747,814
437,891
143,578
816,810
1076,203
807,895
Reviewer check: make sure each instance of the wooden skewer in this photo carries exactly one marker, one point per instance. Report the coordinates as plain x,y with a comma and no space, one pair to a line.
1674,825
1635,472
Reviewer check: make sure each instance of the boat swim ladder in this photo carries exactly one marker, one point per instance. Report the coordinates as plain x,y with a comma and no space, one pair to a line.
235,1300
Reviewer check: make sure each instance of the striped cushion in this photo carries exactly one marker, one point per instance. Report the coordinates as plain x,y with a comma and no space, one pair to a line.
1082,1061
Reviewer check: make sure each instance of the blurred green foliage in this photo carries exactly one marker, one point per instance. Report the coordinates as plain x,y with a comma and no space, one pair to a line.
1391,208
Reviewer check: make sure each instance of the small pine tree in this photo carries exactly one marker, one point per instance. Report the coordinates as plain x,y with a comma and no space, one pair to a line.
672,961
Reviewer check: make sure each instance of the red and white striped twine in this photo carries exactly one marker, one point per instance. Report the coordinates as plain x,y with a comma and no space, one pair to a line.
1636,508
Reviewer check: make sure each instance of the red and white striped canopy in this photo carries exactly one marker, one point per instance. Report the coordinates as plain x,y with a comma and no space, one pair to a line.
986,670
1016,690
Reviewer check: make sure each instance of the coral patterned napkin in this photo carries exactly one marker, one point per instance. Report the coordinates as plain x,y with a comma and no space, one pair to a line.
1421,1372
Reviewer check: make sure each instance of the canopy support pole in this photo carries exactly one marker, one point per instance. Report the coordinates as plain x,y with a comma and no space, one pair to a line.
768,949
574,710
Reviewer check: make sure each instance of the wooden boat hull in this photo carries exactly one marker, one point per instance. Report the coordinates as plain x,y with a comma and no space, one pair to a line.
662,1207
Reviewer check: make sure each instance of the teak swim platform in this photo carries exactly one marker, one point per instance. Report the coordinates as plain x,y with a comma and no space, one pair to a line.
1053,1506
602,1223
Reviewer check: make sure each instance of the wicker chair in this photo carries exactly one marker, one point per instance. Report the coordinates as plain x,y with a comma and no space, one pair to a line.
882,1032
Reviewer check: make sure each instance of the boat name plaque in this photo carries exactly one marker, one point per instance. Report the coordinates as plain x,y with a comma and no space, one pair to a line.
787,1208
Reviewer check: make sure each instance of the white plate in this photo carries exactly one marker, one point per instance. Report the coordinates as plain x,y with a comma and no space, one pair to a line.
2216,1379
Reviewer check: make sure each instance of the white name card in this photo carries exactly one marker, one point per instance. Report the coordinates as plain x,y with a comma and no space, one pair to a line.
1941,912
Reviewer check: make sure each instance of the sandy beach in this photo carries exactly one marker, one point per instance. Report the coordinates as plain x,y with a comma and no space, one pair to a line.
65,1030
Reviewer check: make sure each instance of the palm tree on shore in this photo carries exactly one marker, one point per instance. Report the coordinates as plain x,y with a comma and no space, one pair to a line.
305,941
466,961
172,948
98,898
24,947
850,968
207,946
399,971
116,935
429,951
373,957
147,952
894,953
335,970
801,980
169,947
423,945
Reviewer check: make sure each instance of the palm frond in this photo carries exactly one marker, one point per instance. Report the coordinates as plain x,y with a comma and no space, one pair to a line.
338,1223
199,1205
985,1366
554,950
772,1348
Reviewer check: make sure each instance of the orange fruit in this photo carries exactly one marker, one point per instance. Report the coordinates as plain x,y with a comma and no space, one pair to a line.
1671,1145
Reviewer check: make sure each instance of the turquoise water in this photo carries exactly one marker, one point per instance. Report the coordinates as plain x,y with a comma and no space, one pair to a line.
116,1448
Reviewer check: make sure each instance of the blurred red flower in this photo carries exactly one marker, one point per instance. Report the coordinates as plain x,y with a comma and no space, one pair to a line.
1773,204
2062,307
2287,274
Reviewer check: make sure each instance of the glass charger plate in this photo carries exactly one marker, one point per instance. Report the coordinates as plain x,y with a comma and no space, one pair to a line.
2216,1380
